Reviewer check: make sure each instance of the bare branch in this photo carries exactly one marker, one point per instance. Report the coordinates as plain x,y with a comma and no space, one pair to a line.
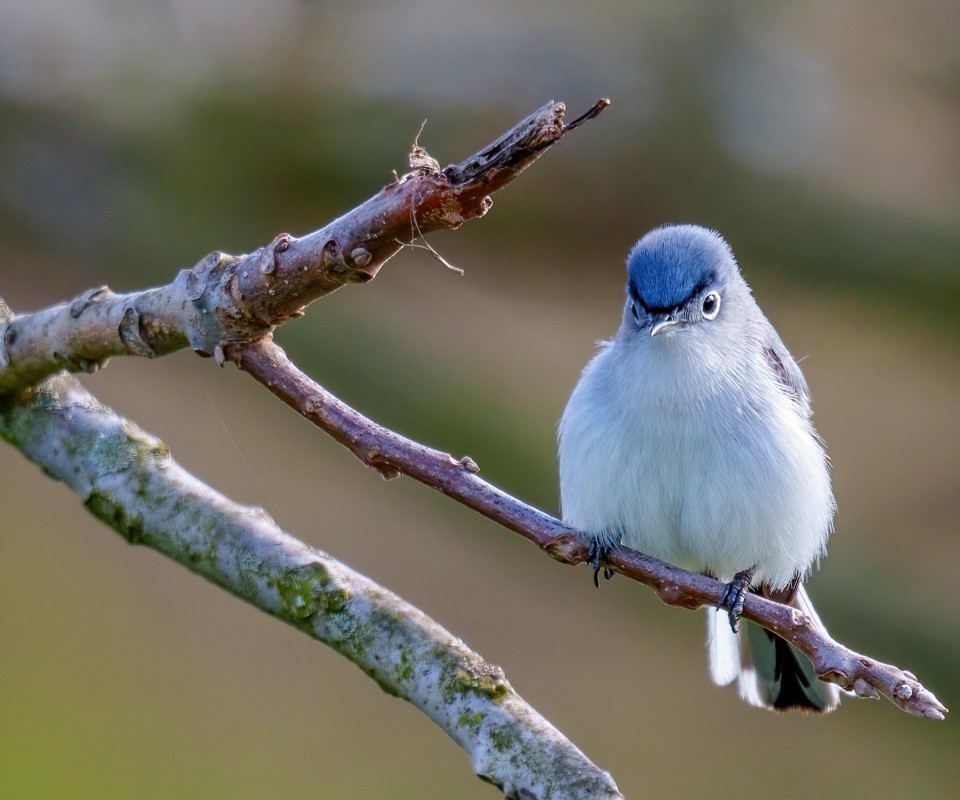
394,455
228,306
227,298
129,481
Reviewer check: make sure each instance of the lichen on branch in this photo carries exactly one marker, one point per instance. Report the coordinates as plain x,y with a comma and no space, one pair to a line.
129,480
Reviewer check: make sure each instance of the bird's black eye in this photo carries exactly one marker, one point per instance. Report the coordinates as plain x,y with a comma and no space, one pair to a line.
711,306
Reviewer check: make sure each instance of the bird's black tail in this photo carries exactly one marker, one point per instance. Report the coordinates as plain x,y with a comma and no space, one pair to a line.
768,671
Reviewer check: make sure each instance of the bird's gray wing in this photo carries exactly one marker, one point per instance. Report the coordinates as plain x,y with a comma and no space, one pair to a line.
787,371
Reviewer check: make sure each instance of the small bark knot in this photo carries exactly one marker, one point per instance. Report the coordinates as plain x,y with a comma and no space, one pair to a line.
87,299
903,691
269,255
198,276
421,160
131,334
387,469
469,465
314,404
388,472
332,260
361,256
565,549
478,673
799,620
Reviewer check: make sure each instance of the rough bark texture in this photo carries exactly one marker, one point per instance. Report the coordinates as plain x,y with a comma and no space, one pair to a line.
128,479
225,299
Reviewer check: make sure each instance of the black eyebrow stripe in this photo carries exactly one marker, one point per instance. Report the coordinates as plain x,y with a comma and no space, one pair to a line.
704,282
635,295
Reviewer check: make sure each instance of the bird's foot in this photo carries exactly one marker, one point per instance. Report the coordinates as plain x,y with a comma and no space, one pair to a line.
596,555
734,595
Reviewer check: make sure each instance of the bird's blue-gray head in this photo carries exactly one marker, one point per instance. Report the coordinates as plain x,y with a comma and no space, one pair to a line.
678,276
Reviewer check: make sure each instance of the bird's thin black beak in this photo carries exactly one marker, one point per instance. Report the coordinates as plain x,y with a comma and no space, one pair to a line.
663,322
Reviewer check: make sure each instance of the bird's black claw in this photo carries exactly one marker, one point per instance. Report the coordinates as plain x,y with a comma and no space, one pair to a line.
734,596
596,555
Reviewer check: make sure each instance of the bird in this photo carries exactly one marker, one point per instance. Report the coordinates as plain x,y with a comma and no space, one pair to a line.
689,438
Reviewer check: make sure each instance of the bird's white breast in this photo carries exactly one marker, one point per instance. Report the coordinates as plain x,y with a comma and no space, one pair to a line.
697,457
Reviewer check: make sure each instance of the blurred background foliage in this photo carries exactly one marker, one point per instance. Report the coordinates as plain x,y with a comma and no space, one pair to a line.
822,138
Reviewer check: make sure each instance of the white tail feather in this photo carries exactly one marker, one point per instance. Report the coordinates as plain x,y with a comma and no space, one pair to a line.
723,648
731,658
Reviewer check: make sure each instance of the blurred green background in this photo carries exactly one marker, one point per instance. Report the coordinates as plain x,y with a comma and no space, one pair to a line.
822,138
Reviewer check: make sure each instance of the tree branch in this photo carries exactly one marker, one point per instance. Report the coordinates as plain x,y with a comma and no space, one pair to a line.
128,480
394,455
225,298
227,306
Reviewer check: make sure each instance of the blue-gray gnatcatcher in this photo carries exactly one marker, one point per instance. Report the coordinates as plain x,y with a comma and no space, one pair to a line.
689,438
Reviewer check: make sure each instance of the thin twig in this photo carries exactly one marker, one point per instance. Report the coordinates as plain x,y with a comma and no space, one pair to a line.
225,298
593,113
393,455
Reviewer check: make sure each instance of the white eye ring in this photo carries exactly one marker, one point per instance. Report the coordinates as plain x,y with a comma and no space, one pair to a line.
711,306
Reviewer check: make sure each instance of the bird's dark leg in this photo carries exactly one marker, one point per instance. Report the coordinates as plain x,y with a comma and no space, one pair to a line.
734,595
597,554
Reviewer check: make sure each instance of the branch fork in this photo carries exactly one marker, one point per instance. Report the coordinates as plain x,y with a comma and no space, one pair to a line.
227,307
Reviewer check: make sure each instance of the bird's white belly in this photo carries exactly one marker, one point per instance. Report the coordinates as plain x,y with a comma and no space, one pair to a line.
716,486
